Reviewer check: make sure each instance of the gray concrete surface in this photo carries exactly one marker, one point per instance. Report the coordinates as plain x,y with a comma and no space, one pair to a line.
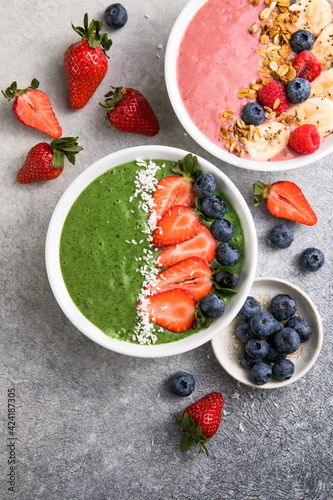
95,425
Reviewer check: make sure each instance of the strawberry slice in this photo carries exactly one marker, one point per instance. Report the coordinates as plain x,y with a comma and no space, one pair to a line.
32,107
192,274
203,245
286,200
172,309
177,225
172,190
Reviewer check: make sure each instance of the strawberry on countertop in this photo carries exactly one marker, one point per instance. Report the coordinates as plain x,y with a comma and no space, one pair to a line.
85,62
32,107
285,200
129,111
201,420
45,162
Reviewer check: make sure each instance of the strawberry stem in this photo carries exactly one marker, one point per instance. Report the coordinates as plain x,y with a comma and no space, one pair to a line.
188,168
112,98
193,432
261,191
65,146
91,33
12,91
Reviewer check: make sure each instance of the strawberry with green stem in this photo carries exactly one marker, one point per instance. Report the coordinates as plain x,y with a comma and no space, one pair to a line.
201,420
285,200
129,111
86,63
45,161
32,107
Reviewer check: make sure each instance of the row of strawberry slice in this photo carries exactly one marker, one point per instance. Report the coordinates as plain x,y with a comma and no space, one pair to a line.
187,249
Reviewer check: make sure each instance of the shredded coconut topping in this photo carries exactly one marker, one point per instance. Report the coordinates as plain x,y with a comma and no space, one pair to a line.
145,184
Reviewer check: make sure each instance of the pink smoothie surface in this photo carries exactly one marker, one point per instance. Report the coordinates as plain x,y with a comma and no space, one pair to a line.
218,57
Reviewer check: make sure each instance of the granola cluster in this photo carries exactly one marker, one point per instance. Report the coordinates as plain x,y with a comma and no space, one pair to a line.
275,33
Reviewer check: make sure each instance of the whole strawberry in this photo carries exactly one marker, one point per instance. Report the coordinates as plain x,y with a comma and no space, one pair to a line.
129,111
201,420
45,162
32,107
85,62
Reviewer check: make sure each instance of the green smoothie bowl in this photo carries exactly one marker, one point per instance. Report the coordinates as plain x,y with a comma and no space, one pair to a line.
133,258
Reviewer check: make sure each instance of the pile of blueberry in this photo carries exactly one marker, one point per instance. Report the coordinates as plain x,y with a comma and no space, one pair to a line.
270,336
227,254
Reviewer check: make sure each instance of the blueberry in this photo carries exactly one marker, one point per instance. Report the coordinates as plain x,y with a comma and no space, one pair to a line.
273,355
263,324
253,113
222,230
281,236
287,340
244,332
204,185
303,329
301,40
312,259
182,383
227,254
250,307
283,307
115,16
298,90
224,279
212,305
257,348
246,361
213,207
283,369
261,373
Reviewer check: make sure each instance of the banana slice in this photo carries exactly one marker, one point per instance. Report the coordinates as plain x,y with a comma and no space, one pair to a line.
318,111
322,86
313,15
270,141
323,47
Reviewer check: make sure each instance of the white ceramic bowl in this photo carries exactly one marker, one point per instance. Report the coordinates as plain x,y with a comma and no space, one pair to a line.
173,44
54,270
227,347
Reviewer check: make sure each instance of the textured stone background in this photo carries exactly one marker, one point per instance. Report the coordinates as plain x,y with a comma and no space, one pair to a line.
95,425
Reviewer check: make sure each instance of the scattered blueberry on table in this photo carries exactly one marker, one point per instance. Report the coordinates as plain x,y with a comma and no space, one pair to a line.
182,383
115,16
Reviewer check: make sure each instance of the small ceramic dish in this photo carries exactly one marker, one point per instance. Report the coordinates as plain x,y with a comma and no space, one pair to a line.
172,50
53,266
227,347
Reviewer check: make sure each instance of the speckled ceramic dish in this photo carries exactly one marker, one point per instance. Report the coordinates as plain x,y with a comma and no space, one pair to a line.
227,347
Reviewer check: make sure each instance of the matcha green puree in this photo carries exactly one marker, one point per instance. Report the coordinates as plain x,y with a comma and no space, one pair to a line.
103,244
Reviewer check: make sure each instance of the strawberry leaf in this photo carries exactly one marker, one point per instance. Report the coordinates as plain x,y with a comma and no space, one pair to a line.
91,33
65,146
188,168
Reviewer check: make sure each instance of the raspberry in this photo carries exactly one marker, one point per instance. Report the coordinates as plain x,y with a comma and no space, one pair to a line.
273,95
305,139
307,66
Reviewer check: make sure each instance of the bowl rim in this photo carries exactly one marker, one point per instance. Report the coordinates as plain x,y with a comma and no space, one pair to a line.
170,71
52,258
274,384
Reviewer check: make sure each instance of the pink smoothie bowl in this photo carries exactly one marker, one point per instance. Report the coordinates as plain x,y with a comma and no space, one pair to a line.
219,151
53,265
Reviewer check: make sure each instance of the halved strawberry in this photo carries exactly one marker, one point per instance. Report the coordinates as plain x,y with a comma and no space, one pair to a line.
172,309
177,225
286,200
172,190
32,107
192,274
203,245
